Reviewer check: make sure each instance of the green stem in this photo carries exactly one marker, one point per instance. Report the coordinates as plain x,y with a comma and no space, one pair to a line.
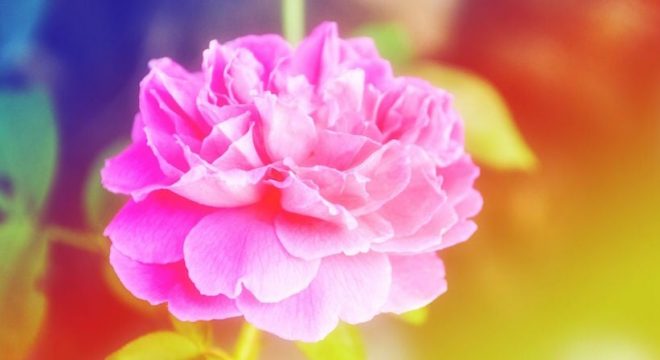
80,240
247,344
293,20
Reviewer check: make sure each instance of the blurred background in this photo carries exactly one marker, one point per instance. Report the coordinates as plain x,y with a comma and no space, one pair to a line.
565,264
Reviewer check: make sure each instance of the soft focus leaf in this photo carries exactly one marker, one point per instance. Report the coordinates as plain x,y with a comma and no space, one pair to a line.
198,331
27,162
491,135
416,317
100,204
247,345
28,146
344,343
162,345
392,41
17,21
22,304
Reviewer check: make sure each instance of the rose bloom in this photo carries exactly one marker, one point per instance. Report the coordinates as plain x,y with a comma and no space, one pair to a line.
295,187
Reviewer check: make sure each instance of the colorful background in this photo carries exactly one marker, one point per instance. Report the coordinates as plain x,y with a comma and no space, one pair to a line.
565,265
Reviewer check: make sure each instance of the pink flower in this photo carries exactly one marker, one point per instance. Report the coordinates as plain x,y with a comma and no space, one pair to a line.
295,187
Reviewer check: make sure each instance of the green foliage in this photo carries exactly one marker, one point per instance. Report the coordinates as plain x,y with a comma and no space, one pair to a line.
28,147
491,135
101,205
344,343
162,345
392,41
28,140
416,317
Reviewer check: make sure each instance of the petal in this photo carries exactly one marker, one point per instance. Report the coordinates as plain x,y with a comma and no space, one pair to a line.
134,169
187,304
311,238
416,281
153,230
238,247
268,49
317,56
415,205
220,188
428,236
340,150
159,283
303,198
168,97
349,288
287,130
243,76
150,282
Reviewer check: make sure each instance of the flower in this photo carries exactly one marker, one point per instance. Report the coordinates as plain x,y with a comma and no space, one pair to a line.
293,186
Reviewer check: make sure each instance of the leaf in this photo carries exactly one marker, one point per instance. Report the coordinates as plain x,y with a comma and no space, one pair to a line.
28,146
22,304
416,317
344,343
491,135
199,332
101,205
162,345
248,345
392,41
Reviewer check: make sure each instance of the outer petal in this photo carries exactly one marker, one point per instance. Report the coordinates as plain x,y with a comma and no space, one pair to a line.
310,238
416,281
187,304
153,230
349,288
427,237
158,283
238,247
149,282
136,168
318,55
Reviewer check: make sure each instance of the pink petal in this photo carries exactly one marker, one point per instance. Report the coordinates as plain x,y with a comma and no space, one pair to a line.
287,131
268,49
457,234
150,282
303,198
223,134
220,188
238,247
317,56
153,230
187,304
340,150
168,99
428,236
416,281
243,76
310,238
416,204
134,169
241,154
352,289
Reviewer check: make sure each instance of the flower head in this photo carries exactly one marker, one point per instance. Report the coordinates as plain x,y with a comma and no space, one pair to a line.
296,187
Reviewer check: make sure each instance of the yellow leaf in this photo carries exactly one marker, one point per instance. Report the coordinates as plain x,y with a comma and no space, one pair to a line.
491,134
162,345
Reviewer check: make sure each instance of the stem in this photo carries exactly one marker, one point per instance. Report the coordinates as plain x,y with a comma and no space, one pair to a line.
80,240
293,20
247,344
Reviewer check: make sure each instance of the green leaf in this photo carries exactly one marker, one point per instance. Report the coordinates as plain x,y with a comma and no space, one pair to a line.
162,345
101,205
22,304
344,343
392,41
248,345
416,317
491,134
28,147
